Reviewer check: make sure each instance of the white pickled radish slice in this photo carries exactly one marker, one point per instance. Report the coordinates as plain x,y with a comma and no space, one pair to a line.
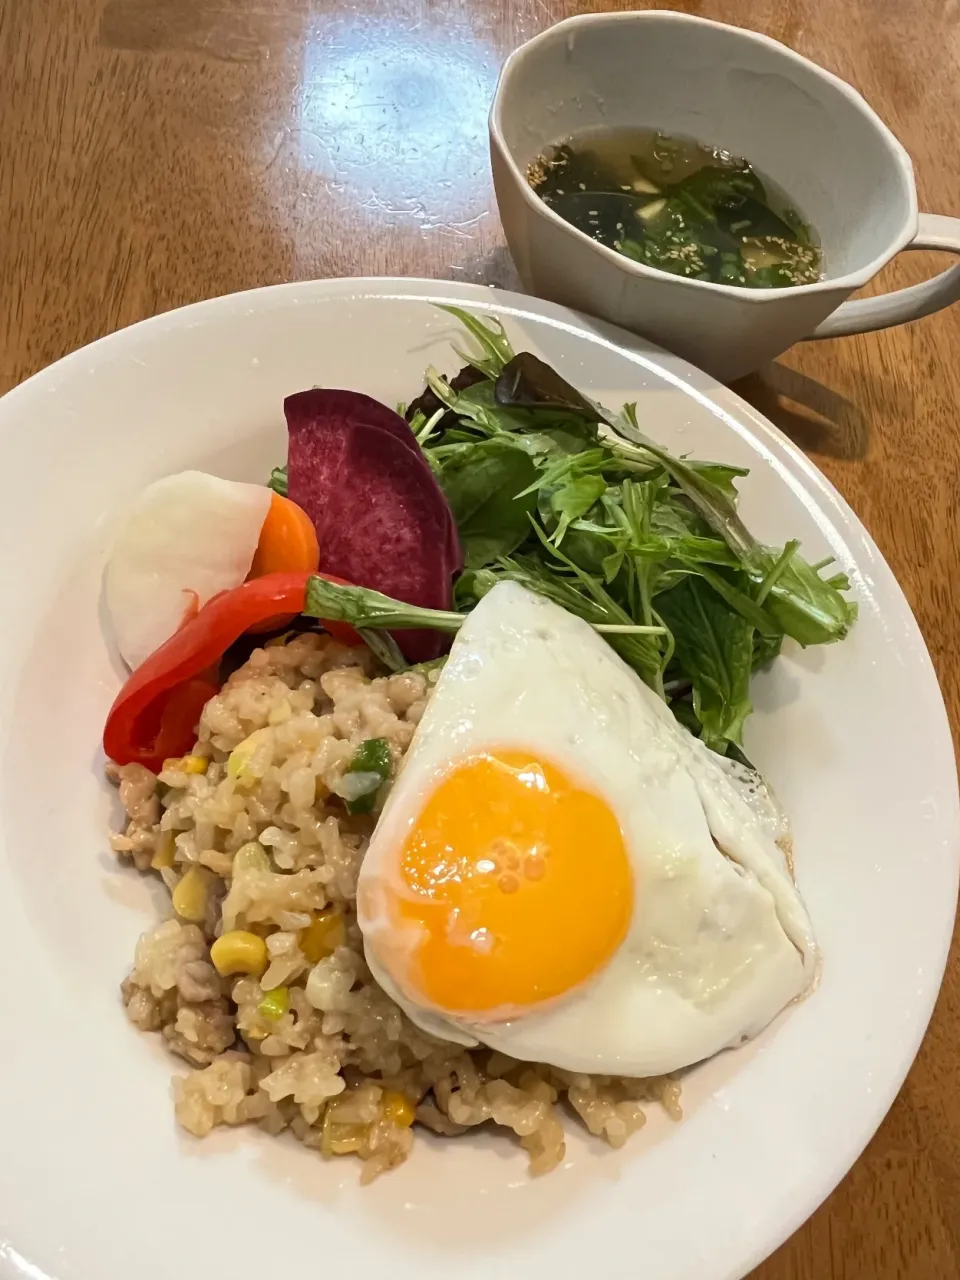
190,536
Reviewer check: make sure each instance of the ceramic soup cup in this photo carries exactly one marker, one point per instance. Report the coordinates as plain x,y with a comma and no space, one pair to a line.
800,126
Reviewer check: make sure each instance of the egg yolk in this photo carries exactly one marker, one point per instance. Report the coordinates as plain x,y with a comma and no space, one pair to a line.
516,887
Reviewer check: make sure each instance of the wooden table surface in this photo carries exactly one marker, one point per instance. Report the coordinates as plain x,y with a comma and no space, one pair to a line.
155,152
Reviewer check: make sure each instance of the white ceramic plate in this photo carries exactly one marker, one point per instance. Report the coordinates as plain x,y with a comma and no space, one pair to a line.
96,1181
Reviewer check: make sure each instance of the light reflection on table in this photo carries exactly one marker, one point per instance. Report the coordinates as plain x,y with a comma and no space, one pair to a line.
393,115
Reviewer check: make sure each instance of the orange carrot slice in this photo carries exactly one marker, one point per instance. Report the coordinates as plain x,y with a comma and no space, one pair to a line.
288,541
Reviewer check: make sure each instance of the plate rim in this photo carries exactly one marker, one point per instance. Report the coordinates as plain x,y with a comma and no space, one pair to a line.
737,414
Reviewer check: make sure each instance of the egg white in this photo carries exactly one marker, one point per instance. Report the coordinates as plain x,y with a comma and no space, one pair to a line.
719,941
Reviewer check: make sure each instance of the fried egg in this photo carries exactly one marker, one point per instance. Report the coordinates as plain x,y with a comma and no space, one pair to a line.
564,873
190,536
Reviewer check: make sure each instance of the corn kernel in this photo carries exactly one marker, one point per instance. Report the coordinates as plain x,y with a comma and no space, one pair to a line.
239,952
239,759
323,936
163,854
186,764
190,895
275,1004
343,1139
397,1108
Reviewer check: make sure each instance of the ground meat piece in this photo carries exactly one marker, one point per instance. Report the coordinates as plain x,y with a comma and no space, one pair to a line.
201,1032
198,981
138,792
143,1009
138,795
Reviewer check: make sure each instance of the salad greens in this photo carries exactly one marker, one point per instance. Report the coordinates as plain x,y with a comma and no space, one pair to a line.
368,770
558,494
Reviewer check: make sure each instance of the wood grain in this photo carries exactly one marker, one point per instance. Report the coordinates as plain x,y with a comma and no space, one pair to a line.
155,152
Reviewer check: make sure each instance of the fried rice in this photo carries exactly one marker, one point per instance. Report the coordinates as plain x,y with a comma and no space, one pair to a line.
260,840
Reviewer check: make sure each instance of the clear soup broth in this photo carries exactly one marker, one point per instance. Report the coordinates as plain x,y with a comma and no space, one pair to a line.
678,206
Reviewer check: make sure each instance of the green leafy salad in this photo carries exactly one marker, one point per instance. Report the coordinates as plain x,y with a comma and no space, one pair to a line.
579,504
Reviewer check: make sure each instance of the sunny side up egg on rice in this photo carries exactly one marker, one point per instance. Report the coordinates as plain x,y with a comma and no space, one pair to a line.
313,1046
636,948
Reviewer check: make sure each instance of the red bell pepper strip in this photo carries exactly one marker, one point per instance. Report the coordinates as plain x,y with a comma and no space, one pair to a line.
179,713
155,714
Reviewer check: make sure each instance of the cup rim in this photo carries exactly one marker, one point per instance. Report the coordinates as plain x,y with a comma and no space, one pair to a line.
852,280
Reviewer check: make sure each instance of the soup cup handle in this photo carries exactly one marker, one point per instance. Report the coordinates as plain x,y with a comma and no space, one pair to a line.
934,232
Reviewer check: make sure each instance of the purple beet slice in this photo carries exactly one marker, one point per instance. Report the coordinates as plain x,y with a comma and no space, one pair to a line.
318,423
318,426
386,528
375,414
